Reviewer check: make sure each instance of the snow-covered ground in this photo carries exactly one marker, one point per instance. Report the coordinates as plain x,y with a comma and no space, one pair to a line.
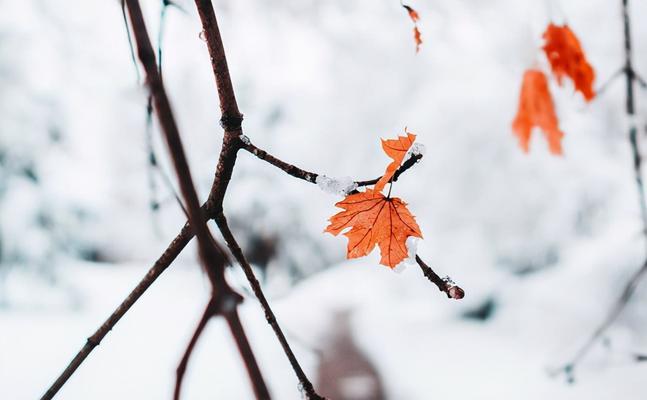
415,337
547,242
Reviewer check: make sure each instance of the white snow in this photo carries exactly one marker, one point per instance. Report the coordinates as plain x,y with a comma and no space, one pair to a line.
245,139
417,149
339,186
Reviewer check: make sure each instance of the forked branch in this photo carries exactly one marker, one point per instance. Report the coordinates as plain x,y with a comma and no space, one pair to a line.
223,299
631,77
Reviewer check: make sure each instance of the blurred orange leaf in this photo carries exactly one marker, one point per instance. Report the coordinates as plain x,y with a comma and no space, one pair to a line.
566,57
415,17
536,108
375,220
413,14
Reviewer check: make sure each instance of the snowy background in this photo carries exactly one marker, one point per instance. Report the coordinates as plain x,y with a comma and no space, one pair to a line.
541,245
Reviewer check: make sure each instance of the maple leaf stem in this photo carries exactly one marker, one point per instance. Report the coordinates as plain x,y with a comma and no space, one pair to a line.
444,285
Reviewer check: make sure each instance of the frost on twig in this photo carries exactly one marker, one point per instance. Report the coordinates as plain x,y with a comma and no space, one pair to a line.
341,186
417,149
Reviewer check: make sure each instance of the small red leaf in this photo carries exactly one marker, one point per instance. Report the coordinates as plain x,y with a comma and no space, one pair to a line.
567,58
536,108
415,17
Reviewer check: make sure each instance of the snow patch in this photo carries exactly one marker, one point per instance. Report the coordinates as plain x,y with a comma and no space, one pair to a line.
341,186
412,248
417,149
245,139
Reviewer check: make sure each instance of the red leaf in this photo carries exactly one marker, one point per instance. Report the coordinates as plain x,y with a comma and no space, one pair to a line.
536,108
415,17
375,220
566,57
413,14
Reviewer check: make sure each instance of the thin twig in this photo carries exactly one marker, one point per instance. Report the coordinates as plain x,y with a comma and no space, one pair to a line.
236,251
231,120
611,317
181,368
130,41
169,255
641,81
405,166
569,368
282,165
237,331
446,286
631,110
603,88
224,300
312,176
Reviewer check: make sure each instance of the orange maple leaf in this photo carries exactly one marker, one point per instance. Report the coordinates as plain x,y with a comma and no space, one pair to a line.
536,108
373,220
396,149
566,57
415,17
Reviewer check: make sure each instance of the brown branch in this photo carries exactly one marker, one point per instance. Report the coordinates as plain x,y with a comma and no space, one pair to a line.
282,165
237,331
231,121
612,316
444,285
630,78
312,176
211,255
181,368
235,249
410,162
224,300
93,341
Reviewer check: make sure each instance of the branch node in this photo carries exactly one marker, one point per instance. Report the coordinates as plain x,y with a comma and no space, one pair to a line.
231,122
92,341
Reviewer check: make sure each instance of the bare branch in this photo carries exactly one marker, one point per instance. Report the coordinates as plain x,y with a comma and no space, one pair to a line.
312,176
630,287
130,41
231,121
405,166
93,341
224,299
612,316
286,167
235,249
237,331
444,285
181,368
641,81
603,88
